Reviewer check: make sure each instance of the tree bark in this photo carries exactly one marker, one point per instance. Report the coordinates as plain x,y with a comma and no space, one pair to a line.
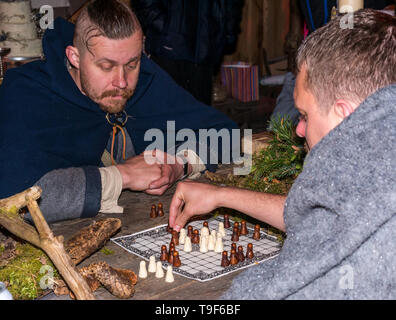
90,239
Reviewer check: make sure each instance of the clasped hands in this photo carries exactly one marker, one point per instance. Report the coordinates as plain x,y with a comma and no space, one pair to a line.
152,171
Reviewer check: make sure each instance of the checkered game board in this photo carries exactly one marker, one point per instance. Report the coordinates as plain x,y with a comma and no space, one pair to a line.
196,265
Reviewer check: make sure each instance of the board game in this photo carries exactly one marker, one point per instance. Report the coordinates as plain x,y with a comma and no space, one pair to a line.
196,265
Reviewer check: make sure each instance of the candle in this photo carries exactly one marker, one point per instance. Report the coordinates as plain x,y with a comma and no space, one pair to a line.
346,6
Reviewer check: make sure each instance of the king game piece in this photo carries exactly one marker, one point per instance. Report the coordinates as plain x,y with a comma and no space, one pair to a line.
160,209
244,230
226,221
249,251
153,212
224,259
256,233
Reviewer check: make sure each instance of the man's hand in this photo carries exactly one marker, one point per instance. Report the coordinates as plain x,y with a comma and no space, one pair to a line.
190,199
171,171
137,174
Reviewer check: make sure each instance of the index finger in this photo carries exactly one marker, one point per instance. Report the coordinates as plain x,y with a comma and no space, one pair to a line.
175,210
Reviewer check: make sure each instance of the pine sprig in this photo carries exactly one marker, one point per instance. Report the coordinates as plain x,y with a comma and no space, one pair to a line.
284,156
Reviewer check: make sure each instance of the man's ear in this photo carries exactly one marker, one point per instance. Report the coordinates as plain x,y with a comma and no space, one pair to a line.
343,108
73,55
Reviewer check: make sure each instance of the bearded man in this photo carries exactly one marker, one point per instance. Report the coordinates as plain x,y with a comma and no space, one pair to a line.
75,123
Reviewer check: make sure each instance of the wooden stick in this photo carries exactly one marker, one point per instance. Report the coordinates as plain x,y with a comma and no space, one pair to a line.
44,239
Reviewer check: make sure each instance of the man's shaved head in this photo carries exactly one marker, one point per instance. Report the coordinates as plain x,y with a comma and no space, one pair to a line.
108,18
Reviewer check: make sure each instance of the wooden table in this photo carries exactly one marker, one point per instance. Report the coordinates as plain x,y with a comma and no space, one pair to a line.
134,219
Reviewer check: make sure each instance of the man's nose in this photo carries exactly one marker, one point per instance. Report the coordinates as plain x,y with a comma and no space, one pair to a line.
300,130
120,79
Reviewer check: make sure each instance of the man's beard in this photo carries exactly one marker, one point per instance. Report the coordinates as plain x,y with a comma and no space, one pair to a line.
104,99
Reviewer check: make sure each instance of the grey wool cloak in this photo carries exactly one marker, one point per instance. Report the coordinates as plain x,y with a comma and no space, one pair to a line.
340,216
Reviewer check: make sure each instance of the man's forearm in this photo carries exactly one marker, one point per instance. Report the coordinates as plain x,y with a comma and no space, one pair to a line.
262,206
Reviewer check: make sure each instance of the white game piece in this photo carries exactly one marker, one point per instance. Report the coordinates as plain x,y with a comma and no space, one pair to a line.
204,244
169,274
160,272
187,245
205,231
211,242
219,243
182,236
142,270
221,229
152,266
213,233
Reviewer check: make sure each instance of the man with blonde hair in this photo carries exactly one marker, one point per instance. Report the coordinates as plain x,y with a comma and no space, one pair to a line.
340,214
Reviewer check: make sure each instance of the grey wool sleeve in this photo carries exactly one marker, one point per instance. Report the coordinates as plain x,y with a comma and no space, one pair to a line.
70,193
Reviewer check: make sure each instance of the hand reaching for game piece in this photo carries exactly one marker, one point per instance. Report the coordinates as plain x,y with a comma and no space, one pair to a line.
190,199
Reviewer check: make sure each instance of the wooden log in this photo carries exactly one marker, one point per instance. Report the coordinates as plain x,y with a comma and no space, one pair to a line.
120,282
90,239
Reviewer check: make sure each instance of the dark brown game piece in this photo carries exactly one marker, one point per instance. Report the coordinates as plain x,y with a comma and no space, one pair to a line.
256,233
233,257
175,237
164,253
235,235
160,210
153,212
190,232
226,221
249,251
244,230
224,260
171,246
169,229
195,238
233,246
176,259
236,225
170,256
240,255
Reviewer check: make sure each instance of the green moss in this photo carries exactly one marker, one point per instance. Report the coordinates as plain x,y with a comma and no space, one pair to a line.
13,212
23,272
107,251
